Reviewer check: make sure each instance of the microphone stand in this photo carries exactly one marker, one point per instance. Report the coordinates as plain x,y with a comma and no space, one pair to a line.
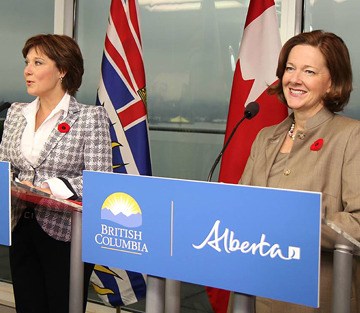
250,111
241,302
224,147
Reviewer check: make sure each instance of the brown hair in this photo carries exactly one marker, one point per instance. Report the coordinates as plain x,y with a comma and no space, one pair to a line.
66,54
337,60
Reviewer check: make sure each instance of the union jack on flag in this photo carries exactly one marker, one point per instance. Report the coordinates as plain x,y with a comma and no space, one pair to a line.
122,92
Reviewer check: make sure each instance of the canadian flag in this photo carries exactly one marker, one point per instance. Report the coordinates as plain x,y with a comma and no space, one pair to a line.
255,70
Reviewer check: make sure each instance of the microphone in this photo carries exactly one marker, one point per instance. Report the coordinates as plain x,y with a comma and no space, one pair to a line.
250,111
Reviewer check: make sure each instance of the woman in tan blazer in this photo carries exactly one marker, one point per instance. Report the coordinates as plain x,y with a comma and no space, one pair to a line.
314,149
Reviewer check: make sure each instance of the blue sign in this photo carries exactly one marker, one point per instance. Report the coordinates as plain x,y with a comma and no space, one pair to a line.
5,207
258,241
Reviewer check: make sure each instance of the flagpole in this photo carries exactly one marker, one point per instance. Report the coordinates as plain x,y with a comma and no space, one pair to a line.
122,91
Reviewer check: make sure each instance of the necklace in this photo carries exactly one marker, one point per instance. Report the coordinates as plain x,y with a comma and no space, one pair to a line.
291,131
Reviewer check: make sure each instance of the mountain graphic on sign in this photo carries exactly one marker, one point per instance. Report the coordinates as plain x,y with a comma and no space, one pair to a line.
122,209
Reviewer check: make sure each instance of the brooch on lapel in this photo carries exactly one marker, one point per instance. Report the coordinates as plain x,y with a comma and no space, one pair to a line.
63,127
317,145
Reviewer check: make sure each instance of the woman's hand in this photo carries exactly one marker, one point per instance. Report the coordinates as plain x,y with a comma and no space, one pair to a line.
27,183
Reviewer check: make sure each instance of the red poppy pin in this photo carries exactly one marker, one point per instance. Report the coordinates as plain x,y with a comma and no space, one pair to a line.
63,127
317,145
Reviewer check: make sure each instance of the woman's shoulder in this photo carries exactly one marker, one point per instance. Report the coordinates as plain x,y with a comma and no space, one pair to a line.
92,114
269,129
276,129
88,109
16,108
91,107
95,111
345,122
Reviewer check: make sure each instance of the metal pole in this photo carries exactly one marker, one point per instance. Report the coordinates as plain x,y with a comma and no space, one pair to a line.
76,293
342,278
299,16
243,303
172,296
155,295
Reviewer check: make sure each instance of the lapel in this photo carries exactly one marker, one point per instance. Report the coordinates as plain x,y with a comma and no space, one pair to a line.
274,143
55,135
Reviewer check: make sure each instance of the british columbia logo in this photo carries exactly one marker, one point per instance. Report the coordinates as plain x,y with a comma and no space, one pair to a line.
123,211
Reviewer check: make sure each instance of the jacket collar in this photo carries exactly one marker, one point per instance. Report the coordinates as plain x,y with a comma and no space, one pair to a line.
69,118
319,118
277,137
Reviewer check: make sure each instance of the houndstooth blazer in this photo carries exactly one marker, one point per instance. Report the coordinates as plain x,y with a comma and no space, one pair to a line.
86,146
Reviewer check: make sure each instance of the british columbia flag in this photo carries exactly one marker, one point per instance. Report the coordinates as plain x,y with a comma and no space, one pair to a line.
122,92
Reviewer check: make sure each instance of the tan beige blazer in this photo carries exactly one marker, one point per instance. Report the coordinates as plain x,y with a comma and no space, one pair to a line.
334,169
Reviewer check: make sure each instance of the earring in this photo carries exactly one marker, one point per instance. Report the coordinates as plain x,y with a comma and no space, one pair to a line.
61,79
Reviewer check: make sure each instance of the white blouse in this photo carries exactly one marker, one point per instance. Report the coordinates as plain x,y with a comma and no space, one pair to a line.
32,142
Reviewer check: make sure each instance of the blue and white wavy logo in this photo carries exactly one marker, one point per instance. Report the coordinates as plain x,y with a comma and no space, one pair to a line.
122,209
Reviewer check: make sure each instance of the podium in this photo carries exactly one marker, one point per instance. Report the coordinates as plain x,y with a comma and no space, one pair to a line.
204,233
193,227
5,210
246,239
14,191
344,248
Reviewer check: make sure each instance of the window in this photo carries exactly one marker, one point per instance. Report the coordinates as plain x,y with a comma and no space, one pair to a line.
339,17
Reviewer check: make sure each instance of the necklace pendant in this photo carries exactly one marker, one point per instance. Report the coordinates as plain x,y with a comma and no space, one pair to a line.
291,131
